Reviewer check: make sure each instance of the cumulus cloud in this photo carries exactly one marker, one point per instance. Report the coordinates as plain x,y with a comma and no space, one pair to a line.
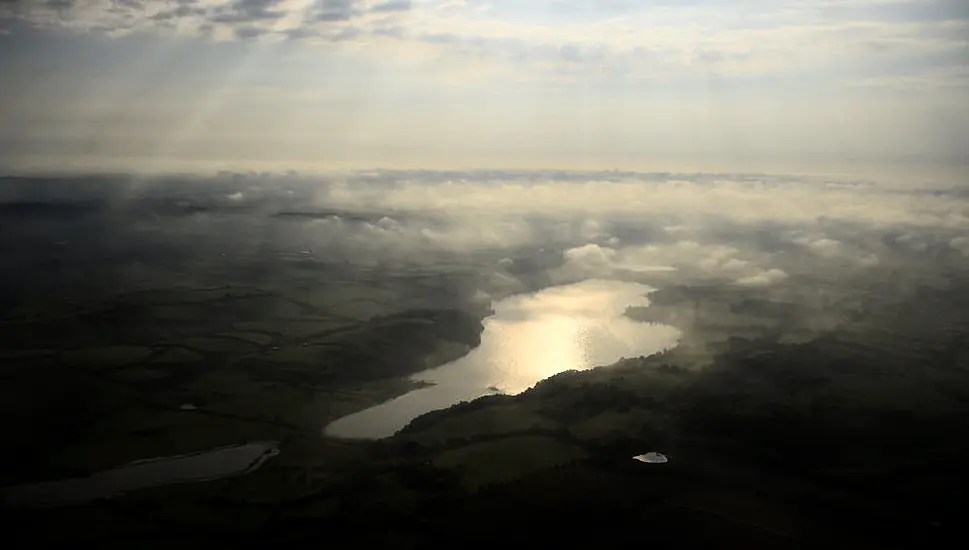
764,278
824,247
689,259
591,255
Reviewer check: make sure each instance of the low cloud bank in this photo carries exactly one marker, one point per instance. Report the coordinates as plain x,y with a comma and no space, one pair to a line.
528,228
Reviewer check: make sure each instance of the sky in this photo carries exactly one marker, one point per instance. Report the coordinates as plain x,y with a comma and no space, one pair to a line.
755,86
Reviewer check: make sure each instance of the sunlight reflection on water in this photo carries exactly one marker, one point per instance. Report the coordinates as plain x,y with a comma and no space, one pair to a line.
529,338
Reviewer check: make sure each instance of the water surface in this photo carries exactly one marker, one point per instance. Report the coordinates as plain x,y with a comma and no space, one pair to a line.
201,466
530,337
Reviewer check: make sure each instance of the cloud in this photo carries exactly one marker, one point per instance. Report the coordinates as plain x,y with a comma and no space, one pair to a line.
912,242
887,43
246,33
765,278
241,19
690,259
589,260
823,246
680,200
832,249
392,6
335,10
179,11
746,230
245,11
518,231
961,244
712,39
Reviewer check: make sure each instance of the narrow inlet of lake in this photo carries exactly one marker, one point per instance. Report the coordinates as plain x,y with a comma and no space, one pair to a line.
529,338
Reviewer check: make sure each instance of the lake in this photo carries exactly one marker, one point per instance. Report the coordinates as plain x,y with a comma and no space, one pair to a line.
200,466
529,338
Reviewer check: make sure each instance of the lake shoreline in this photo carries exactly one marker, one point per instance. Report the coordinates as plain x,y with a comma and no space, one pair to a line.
528,338
105,484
